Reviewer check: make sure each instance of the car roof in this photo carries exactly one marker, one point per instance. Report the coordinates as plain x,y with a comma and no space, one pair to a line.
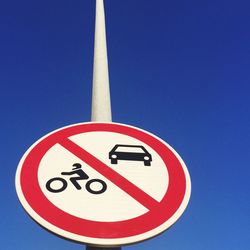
129,146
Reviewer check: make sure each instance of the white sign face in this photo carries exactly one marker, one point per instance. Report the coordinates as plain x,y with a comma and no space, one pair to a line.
104,184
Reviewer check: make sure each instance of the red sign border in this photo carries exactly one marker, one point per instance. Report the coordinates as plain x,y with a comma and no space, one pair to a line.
167,208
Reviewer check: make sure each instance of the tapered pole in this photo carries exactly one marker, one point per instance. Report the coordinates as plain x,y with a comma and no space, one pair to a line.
101,105
102,248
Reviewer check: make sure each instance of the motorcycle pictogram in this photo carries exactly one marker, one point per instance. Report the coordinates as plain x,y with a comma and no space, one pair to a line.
77,169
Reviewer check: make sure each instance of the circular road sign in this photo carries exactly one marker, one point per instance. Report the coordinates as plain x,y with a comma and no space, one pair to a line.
104,184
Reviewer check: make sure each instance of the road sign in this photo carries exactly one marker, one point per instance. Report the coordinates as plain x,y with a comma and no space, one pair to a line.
105,184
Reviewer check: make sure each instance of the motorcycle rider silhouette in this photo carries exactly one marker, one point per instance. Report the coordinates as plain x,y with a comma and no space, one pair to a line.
93,186
77,169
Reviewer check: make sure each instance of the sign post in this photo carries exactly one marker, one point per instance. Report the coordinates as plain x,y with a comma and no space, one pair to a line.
101,104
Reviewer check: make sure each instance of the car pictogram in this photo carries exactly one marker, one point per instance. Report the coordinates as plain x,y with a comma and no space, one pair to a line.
130,153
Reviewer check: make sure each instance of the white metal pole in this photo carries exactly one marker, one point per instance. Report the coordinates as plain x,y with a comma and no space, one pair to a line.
101,248
101,105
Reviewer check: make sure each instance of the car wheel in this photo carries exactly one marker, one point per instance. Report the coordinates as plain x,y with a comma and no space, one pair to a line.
113,161
147,163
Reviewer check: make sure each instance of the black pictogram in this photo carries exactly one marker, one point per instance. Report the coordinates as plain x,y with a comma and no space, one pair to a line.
81,175
130,153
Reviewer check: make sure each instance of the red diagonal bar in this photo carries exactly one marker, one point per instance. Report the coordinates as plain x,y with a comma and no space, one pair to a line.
117,179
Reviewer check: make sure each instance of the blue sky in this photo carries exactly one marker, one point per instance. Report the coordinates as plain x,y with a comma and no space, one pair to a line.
179,69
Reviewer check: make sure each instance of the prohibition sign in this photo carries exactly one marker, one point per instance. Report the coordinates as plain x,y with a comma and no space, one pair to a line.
159,215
